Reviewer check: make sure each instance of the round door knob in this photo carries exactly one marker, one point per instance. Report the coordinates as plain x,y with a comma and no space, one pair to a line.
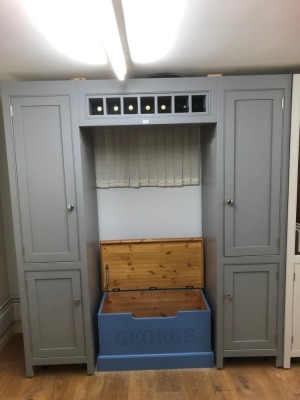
230,202
77,301
71,207
229,295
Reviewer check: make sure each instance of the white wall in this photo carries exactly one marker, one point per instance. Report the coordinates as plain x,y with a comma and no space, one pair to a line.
149,213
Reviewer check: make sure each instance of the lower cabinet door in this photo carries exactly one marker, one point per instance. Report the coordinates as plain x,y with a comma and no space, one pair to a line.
296,313
55,314
250,306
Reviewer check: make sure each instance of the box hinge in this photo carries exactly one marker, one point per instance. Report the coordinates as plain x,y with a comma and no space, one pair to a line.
153,288
106,277
189,287
116,289
11,111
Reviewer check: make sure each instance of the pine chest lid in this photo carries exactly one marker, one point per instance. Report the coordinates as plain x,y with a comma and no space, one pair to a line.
152,264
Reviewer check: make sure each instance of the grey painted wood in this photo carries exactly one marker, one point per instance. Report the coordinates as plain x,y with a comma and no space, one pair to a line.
43,144
143,87
91,288
4,282
55,313
209,215
62,96
250,307
214,194
245,85
253,157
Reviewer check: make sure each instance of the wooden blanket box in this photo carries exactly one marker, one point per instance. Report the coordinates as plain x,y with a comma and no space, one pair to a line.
153,313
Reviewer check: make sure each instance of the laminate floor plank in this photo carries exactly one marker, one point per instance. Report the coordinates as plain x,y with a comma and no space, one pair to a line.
241,379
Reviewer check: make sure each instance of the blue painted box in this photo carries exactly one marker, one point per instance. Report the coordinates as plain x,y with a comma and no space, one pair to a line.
157,328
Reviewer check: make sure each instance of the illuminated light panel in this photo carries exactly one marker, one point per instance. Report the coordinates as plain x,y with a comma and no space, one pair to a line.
71,27
104,10
152,27
85,31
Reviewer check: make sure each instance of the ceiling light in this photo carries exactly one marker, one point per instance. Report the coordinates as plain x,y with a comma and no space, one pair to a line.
84,30
104,10
70,27
152,27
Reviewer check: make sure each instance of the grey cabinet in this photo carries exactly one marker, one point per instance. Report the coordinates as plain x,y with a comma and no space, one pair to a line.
250,306
253,158
46,182
55,313
56,236
253,219
245,148
244,197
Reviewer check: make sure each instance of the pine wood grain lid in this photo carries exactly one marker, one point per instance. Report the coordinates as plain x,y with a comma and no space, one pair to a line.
152,263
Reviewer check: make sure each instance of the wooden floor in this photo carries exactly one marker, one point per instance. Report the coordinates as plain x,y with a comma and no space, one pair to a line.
240,379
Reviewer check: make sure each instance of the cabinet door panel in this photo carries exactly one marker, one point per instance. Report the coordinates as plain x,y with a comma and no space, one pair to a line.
250,307
253,134
44,158
55,314
296,313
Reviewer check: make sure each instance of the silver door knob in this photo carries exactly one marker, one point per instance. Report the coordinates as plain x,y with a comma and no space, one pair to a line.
77,301
230,202
229,295
71,207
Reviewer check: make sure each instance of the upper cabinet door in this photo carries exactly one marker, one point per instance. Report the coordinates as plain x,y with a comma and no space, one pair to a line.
45,174
253,158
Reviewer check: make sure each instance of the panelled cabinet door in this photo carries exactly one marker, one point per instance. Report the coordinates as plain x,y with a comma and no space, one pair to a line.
253,157
296,309
55,314
250,307
44,157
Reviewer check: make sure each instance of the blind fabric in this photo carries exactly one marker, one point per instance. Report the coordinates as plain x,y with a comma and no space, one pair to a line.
146,156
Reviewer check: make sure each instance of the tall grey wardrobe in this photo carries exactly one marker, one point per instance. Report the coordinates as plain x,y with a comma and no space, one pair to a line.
244,215
244,153
56,241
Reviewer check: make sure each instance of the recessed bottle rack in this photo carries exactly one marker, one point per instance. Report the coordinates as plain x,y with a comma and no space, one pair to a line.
149,104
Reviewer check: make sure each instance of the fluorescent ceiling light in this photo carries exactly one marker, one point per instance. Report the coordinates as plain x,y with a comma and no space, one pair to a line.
84,30
152,27
104,10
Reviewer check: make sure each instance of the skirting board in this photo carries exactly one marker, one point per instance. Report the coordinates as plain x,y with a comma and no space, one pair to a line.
10,322
5,337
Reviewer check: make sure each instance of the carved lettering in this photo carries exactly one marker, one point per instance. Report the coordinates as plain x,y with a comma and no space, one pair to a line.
150,337
162,337
122,338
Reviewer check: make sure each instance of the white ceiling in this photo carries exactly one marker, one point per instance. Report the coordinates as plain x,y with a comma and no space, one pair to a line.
230,37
